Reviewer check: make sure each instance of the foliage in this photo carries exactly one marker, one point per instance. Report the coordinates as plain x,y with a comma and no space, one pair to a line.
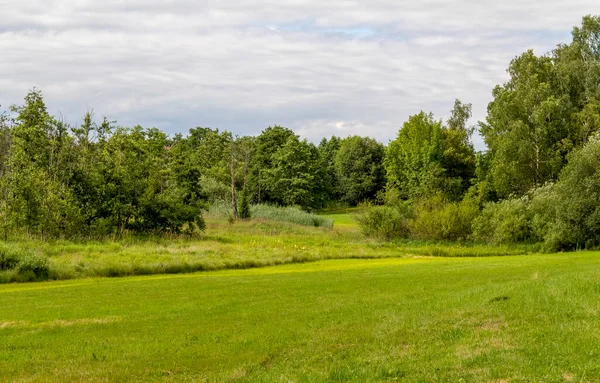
384,222
428,158
244,209
436,219
294,177
327,150
577,223
267,144
21,265
95,181
548,107
359,169
415,154
289,214
506,221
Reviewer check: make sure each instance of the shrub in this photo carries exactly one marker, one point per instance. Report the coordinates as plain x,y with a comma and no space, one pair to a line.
506,221
244,209
384,222
577,223
435,219
20,265
9,257
542,212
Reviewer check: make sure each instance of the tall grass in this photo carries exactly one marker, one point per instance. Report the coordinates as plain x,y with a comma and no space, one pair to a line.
290,214
275,213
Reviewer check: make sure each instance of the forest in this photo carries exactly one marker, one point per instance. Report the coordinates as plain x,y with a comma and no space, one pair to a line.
538,181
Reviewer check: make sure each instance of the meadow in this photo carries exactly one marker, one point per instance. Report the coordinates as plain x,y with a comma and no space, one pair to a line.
291,303
494,319
258,242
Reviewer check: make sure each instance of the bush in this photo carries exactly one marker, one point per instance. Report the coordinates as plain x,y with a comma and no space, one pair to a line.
9,257
384,222
577,223
244,209
32,265
506,221
20,265
526,219
435,219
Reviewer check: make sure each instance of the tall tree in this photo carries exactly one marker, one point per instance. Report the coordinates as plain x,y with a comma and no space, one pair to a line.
413,160
359,169
267,144
328,149
549,106
292,179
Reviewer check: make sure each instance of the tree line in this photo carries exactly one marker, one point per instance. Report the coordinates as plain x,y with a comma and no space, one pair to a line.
534,183
100,179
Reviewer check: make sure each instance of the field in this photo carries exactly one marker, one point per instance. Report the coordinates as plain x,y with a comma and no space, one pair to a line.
245,244
524,318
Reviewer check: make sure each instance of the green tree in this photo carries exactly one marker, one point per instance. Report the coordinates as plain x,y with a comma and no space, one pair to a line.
359,169
413,161
267,144
328,149
525,127
577,223
548,107
39,200
459,158
291,179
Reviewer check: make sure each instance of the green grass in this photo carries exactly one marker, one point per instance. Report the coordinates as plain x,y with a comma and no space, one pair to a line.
288,214
496,319
245,244
343,218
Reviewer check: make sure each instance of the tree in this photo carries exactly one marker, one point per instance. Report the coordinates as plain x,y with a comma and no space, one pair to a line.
267,144
291,179
548,107
413,160
327,151
459,154
577,223
359,169
38,199
525,127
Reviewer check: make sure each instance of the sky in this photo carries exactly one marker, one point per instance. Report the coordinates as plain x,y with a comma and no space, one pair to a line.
319,67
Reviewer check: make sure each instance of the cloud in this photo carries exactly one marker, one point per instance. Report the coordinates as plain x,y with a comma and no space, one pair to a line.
319,67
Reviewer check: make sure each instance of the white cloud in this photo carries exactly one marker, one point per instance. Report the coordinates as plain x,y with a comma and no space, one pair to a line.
321,67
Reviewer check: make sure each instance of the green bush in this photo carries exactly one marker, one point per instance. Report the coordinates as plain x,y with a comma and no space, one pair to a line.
435,219
384,222
21,265
36,266
9,257
244,209
506,222
577,223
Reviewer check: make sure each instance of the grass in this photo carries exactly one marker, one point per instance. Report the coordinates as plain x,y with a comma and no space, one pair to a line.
495,319
277,214
245,244
343,218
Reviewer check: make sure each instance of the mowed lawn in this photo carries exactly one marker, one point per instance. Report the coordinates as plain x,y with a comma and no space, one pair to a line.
498,319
